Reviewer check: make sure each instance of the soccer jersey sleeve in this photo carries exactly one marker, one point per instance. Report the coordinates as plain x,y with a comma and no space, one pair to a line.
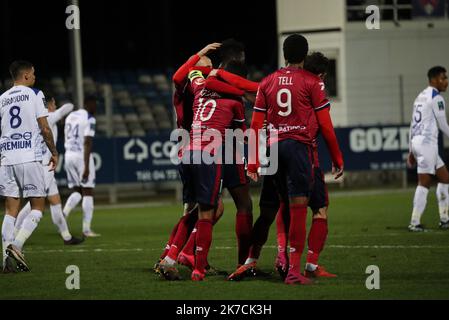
197,80
439,110
90,128
239,116
261,102
58,115
180,76
318,95
39,104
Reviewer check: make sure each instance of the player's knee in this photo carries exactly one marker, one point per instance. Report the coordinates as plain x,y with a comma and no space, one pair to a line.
302,201
320,213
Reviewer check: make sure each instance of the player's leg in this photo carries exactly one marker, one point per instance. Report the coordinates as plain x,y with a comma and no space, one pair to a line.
319,203
72,168
21,217
185,227
87,188
426,158
187,255
244,220
59,220
208,191
299,181
443,194
12,206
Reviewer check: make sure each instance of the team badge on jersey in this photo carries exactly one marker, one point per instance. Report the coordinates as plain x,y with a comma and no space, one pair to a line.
441,105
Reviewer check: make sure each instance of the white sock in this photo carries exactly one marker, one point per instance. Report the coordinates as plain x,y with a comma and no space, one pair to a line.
311,267
71,203
26,210
29,225
250,260
60,222
443,201
169,261
7,234
88,212
419,204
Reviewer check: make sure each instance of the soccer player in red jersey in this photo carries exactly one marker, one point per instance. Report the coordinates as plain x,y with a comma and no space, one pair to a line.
183,102
317,64
212,114
294,103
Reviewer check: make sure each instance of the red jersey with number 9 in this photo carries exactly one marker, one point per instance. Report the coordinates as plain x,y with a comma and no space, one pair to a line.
290,97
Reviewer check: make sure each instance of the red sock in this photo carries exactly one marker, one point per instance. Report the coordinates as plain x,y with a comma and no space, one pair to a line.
297,235
170,241
243,228
189,248
317,239
281,229
203,243
185,225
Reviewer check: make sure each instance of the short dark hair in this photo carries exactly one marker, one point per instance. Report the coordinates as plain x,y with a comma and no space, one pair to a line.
17,67
90,98
316,63
296,48
230,50
435,72
237,67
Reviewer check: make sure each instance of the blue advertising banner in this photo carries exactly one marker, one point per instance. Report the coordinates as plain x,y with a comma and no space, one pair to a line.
134,160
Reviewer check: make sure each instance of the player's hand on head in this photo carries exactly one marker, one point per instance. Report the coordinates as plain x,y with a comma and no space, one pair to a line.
209,48
337,171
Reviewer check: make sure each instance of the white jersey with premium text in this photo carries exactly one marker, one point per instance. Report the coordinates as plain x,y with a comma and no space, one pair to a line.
79,124
428,108
21,140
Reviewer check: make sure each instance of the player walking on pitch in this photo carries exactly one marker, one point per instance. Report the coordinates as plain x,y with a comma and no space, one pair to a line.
51,188
24,128
429,114
79,163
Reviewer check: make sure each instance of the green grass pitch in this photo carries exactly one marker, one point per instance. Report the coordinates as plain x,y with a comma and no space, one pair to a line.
364,230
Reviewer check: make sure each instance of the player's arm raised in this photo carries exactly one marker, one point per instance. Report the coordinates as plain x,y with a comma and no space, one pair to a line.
63,111
49,141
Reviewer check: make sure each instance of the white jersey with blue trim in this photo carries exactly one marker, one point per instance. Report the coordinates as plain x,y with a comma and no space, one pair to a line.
21,140
78,125
429,115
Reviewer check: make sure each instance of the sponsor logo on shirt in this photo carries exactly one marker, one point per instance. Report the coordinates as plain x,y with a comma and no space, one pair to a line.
441,105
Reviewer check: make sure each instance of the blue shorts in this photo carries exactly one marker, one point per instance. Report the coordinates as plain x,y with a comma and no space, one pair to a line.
295,168
234,176
272,193
202,183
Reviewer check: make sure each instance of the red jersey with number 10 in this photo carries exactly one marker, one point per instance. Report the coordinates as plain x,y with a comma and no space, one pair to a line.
211,111
290,97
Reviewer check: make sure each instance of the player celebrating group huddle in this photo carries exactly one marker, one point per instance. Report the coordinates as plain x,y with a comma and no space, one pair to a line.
291,100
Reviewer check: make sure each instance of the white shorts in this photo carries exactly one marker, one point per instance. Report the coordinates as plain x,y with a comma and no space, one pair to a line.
51,187
427,157
26,180
74,167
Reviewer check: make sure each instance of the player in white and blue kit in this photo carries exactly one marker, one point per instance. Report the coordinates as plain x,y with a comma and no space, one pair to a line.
429,116
51,188
24,130
79,162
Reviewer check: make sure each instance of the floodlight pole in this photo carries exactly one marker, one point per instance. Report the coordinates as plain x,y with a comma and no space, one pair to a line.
76,59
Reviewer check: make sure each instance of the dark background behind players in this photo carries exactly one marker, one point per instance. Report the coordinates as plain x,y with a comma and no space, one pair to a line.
135,34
